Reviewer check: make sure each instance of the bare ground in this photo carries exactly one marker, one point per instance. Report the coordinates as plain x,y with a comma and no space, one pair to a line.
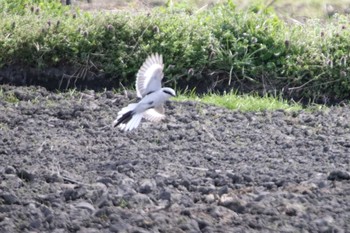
204,169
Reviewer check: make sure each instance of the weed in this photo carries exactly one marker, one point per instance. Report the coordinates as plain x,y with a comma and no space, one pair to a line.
51,103
123,203
9,97
4,127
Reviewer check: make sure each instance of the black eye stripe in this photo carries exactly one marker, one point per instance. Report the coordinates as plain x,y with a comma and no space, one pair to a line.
168,92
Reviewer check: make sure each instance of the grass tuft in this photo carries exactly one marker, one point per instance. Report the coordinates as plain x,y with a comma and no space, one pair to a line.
9,97
243,103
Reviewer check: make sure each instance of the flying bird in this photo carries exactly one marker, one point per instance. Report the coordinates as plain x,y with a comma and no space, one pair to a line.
149,90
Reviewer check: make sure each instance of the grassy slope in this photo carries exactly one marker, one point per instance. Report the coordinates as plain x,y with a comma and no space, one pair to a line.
253,50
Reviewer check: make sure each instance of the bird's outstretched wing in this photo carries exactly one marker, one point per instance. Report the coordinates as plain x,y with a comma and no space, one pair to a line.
150,75
155,114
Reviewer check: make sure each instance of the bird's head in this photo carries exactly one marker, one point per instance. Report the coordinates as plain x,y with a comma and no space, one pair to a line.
169,91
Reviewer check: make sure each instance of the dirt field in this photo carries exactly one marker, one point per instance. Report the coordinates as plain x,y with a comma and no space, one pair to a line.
204,169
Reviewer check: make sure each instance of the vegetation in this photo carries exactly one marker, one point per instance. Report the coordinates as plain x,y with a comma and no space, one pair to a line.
219,48
233,101
8,97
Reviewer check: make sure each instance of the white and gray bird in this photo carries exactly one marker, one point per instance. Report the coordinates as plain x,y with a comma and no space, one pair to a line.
153,96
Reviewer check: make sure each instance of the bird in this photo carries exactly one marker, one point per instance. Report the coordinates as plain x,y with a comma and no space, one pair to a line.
153,96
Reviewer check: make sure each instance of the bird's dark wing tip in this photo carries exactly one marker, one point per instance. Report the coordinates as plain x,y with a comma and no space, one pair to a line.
124,118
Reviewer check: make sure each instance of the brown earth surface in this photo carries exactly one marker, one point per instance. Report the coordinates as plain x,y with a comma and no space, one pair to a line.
203,169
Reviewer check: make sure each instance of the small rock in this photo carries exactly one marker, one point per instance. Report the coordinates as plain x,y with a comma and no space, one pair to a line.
210,229
220,181
147,186
10,170
165,195
143,222
88,230
339,175
326,149
171,126
309,119
12,180
102,212
119,227
279,183
35,224
53,178
160,218
207,189
325,224
106,181
221,212
125,168
212,174
322,184
9,199
86,205
202,224
48,198
256,208
233,203
260,197
45,211
186,212
190,226
210,198
139,200
269,185
235,178
186,183
109,94
103,202
308,132
73,194
223,190
247,178
24,175
291,211
184,200
22,96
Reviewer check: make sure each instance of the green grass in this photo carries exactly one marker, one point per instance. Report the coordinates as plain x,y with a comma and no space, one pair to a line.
9,97
252,48
245,102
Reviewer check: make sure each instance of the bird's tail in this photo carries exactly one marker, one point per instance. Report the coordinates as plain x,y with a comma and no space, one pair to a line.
127,118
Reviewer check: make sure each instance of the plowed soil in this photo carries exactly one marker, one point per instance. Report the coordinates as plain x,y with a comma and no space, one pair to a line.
63,168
